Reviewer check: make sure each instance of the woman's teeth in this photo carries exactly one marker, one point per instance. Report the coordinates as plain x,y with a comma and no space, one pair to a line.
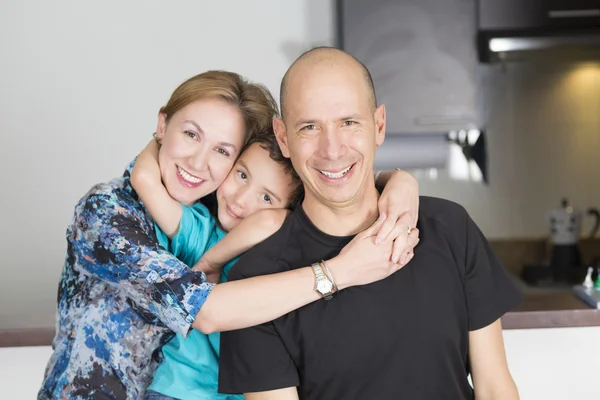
188,177
336,175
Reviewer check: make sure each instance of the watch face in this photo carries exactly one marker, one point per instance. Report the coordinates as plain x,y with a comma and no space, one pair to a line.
324,286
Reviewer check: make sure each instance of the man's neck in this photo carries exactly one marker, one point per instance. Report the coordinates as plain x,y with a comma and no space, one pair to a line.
343,220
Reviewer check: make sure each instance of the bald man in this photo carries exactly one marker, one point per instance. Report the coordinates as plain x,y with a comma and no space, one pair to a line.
415,335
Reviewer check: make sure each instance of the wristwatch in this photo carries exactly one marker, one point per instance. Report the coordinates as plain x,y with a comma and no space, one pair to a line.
323,284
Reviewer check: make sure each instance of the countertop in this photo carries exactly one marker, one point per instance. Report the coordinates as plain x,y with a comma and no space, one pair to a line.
550,308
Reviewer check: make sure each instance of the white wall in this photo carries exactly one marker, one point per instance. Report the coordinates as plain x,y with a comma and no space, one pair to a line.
80,86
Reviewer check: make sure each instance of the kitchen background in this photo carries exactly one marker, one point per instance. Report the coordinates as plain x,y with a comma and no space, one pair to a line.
81,84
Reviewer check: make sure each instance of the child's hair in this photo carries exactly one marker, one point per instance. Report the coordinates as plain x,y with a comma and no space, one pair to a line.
266,140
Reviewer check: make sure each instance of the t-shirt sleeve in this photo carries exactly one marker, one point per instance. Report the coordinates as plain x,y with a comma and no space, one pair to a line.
255,359
489,291
193,236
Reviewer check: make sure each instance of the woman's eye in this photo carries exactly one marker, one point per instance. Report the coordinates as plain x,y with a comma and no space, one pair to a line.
223,151
266,198
191,134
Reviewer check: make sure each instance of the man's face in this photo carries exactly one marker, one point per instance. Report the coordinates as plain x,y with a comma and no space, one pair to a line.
330,131
256,182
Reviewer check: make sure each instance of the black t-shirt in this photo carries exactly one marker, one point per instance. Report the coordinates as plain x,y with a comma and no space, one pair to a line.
405,337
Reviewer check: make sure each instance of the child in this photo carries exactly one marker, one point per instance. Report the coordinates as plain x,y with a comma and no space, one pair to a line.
252,203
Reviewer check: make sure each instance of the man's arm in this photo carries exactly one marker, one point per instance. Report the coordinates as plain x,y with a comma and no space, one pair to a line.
290,393
146,181
489,369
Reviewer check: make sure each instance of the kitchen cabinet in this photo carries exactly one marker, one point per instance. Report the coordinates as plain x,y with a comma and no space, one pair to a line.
422,57
539,16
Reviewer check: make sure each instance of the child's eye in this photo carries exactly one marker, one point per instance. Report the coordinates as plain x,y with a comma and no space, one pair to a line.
221,150
191,134
242,175
266,198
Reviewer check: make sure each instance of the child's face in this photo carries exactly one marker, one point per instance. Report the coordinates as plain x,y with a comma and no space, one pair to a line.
256,182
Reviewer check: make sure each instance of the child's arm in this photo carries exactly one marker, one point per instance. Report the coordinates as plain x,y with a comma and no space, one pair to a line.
251,231
146,181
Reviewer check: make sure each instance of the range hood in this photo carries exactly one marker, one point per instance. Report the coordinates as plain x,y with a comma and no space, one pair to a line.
510,30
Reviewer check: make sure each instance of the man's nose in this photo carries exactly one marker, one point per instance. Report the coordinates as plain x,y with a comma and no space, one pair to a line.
332,144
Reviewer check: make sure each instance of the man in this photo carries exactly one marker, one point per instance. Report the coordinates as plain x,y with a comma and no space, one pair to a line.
415,335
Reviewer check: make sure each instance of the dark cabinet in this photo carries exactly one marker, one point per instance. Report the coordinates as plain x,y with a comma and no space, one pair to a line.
511,14
537,15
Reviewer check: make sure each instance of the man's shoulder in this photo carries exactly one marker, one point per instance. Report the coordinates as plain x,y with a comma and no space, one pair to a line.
266,257
441,210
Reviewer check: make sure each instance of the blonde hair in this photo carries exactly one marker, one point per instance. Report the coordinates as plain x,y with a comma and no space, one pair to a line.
255,102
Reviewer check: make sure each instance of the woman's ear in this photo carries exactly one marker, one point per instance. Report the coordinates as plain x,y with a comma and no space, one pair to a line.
161,127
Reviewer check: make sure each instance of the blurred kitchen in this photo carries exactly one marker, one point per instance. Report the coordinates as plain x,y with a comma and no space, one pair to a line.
494,104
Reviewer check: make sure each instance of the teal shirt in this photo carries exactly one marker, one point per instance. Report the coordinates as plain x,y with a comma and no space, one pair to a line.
191,365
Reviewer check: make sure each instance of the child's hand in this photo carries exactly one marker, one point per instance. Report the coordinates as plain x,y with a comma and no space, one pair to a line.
212,271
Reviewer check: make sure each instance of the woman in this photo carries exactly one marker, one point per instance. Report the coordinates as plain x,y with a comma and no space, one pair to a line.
121,293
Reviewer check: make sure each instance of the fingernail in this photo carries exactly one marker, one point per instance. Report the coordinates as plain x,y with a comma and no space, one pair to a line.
395,259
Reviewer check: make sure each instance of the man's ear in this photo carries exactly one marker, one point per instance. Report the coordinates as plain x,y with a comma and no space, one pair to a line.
161,126
379,125
281,136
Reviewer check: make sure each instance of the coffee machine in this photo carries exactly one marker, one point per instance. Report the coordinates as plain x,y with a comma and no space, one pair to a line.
565,230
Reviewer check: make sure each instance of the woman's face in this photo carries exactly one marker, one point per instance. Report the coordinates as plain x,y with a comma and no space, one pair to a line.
200,144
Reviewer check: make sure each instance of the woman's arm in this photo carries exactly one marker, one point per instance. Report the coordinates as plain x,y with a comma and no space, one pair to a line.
113,242
252,301
146,181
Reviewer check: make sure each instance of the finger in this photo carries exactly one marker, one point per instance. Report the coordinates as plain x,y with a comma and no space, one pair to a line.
397,226
413,240
385,230
403,244
373,229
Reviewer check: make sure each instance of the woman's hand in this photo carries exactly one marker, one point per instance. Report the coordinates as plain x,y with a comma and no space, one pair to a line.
363,261
399,205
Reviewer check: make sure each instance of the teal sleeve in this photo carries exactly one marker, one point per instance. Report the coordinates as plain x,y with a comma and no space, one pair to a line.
193,236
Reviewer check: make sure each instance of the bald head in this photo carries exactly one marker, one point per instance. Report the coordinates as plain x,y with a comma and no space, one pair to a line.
325,57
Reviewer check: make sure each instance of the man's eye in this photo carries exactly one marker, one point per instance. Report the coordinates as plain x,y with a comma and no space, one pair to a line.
348,123
310,127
